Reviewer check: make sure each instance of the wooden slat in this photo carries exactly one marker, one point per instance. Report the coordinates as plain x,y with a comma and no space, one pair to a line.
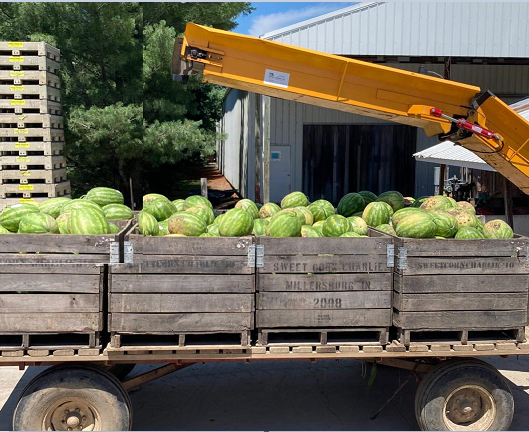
51,263
319,318
181,322
463,265
165,303
49,322
460,301
325,264
196,246
50,243
324,282
70,303
161,283
323,301
315,246
461,283
66,283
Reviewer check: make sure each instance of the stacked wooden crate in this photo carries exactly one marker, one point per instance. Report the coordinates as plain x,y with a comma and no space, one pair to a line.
32,163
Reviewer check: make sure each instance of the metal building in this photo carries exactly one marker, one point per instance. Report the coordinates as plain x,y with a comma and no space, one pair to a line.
327,153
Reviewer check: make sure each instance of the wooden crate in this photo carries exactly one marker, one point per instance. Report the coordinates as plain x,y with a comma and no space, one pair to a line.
6,202
27,63
20,91
31,134
460,286
332,283
183,288
31,177
30,49
30,106
31,148
30,77
24,121
25,163
35,190
53,285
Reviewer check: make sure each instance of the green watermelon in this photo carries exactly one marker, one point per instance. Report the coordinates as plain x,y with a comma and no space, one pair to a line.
358,225
469,233
466,206
437,202
297,211
152,196
309,231
11,216
197,199
464,218
213,229
335,226
62,222
368,197
294,199
479,224
446,224
390,209
117,212
416,225
318,224
103,196
453,202
393,198
186,223
284,224
179,204
402,213
321,210
236,223
80,204
309,218
53,206
350,204
248,206
218,219
387,228
206,234
147,224
497,229
268,210
203,212
175,235
350,234
4,230
409,201
418,202
87,221
163,228
38,223
376,213
160,208
112,228
259,227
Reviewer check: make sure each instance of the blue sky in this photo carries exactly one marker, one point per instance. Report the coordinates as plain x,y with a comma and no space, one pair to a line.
272,16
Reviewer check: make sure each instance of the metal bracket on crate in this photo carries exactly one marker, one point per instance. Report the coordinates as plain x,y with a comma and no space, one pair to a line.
256,256
402,259
128,252
114,252
390,255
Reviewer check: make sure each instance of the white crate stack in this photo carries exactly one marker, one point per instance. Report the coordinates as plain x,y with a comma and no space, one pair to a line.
32,162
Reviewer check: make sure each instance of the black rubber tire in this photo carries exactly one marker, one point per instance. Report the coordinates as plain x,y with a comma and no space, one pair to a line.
448,376
121,371
80,381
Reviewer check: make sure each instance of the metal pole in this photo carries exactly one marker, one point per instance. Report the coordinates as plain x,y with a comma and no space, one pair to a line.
204,187
266,151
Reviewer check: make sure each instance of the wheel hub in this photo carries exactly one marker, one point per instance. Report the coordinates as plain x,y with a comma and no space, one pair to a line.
72,416
469,408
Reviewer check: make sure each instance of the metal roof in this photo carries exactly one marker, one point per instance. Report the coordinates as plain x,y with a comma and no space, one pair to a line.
522,108
458,29
448,153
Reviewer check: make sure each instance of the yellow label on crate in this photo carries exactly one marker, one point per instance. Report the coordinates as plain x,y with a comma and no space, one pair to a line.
16,73
17,103
21,131
22,145
15,44
17,88
22,159
26,200
25,187
16,59
25,173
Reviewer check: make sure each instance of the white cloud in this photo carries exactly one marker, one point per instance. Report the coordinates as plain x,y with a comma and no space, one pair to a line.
266,23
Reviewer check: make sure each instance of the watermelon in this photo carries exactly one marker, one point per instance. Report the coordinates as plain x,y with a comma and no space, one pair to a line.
321,210
268,210
387,228
249,206
179,204
416,225
218,219
117,212
418,202
147,224
175,235
163,228
11,216
479,224
350,234
193,200
53,206
259,227
284,224
112,228
358,225
186,223
437,202
402,213
80,204
309,218
393,198
160,208
87,221
203,212
152,196
103,196
213,229
497,229
4,230
309,231
464,218
446,224
409,201
368,196
318,224
469,233
38,223
294,199
376,213
235,223
466,206
390,209
206,234
297,211
453,202
350,204
62,222
335,226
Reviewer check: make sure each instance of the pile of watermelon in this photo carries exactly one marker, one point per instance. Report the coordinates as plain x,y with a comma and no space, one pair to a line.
91,214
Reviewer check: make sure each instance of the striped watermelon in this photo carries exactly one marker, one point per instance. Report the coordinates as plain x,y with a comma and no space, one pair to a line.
117,212
309,219
335,226
11,216
259,227
268,210
53,206
193,200
284,224
390,209
376,213
464,218
350,204
81,204
437,202
468,233
206,234
248,206
38,223
204,212
236,223
218,219
294,199
112,228
103,196
497,229
213,229
358,225
453,202
4,230
87,221
163,227
187,223
402,213
318,224
296,211
387,228
321,210
152,196
393,198
161,209
350,234
409,201
416,225
179,204
446,224
479,224
62,222
147,224
175,235
309,231
418,202
368,196
466,206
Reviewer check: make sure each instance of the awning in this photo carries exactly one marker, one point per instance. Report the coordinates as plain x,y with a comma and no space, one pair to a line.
448,153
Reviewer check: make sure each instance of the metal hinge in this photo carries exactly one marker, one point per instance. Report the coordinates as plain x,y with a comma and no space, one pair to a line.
402,259
390,255
128,252
114,252
256,256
